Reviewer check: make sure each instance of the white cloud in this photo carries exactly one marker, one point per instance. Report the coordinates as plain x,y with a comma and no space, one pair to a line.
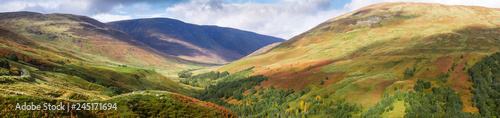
285,18
356,4
282,19
79,7
106,17
12,6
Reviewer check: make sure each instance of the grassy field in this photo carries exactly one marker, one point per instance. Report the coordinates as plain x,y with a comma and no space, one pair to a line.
398,112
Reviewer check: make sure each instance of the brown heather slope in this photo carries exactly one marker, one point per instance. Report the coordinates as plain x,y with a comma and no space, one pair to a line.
92,40
366,51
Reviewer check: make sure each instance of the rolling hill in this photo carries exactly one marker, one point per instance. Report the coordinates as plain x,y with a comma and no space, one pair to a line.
208,44
378,49
384,60
53,58
93,41
52,74
140,104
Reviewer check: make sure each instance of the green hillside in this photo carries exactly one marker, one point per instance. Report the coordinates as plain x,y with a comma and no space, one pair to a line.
86,39
36,68
47,68
383,60
383,48
140,104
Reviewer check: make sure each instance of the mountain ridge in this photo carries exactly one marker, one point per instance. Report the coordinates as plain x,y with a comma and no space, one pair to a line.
40,64
365,53
204,43
83,34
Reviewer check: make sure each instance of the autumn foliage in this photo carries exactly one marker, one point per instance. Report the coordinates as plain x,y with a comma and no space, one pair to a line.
221,111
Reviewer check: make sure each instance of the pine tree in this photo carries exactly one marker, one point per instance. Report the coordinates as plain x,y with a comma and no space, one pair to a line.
408,73
5,64
414,70
419,86
453,67
427,85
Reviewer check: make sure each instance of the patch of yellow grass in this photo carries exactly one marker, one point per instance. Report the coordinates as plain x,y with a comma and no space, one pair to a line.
398,112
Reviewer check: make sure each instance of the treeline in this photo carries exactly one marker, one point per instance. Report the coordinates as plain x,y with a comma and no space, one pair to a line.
12,55
144,105
202,80
228,89
270,102
185,74
6,69
236,76
423,102
485,75
442,102
274,102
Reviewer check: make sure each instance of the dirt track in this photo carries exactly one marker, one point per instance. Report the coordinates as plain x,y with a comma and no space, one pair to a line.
23,72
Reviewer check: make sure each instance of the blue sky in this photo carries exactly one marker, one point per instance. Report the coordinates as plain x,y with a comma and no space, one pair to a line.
279,18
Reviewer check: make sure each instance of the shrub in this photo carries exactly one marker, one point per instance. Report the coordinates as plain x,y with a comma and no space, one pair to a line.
408,73
4,64
427,85
4,71
185,74
13,57
112,91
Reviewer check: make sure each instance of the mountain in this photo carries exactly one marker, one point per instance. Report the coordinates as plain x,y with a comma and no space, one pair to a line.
92,40
54,58
208,44
51,72
384,48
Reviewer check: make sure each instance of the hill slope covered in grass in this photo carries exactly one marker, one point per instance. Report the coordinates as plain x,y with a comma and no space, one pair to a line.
86,38
140,104
208,44
60,75
58,58
382,48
